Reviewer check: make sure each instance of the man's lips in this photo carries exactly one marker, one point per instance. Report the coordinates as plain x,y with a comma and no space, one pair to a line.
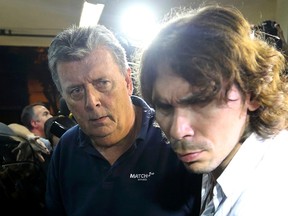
189,157
98,120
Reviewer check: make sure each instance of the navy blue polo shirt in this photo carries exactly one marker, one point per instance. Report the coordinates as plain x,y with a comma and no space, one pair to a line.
147,180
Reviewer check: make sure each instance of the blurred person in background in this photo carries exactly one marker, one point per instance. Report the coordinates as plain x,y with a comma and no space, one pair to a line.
33,117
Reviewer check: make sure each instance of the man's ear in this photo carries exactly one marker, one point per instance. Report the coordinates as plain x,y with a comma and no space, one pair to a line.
252,104
129,81
33,123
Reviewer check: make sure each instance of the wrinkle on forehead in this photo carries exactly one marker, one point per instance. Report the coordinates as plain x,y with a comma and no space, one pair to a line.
99,62
100,54
171,88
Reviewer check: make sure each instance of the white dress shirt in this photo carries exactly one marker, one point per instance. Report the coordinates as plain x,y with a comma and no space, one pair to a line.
255,182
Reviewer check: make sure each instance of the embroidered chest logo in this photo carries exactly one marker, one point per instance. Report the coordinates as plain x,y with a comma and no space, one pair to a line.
141,176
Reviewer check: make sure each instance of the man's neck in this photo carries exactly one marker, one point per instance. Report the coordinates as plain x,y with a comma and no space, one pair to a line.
38,132
218,171
113,152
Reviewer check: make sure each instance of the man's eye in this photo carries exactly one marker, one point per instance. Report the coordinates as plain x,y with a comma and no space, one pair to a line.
103,85
46,113
77,93
163,108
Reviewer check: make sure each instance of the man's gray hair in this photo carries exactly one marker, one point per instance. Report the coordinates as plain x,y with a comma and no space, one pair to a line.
76,43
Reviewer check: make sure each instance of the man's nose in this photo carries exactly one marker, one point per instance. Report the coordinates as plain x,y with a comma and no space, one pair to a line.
92,97
181,126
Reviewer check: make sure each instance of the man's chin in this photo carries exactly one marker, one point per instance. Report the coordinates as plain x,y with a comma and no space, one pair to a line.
197,168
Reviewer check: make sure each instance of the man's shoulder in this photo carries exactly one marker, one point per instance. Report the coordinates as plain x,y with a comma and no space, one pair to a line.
71,131
70,136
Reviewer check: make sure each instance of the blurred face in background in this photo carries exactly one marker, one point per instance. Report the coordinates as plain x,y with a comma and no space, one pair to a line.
41,115
98,96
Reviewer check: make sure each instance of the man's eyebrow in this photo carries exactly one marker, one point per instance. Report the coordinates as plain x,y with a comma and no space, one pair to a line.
159,103
188,99
73,86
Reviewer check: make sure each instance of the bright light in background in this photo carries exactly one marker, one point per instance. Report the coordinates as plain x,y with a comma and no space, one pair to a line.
139,24
90,14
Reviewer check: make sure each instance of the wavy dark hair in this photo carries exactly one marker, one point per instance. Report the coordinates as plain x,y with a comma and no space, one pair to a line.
214,48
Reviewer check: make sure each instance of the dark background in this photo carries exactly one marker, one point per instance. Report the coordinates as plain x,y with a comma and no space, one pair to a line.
25,78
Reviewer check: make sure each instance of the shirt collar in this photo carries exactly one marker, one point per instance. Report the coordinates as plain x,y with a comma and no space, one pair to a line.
242,166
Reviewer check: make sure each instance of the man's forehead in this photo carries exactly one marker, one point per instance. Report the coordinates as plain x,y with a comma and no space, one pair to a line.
164,88
39,108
